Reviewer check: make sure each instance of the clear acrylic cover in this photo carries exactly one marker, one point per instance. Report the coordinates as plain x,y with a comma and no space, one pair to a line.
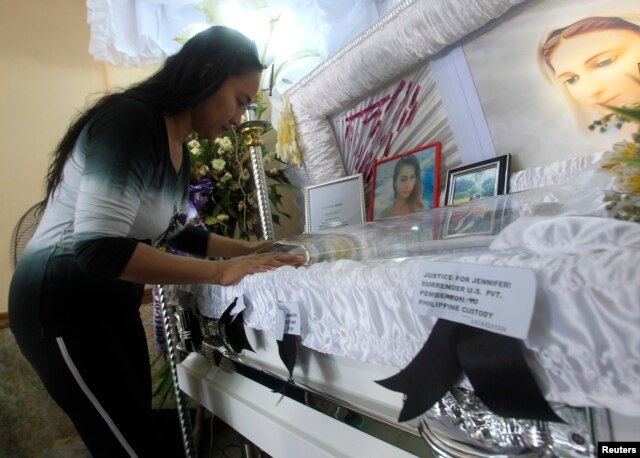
468,226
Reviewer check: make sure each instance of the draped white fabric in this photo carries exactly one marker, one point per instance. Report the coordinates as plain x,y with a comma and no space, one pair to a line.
583,343
405,114
554,173
395,45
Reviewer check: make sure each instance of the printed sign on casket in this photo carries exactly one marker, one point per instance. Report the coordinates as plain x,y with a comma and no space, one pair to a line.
287,319
497,299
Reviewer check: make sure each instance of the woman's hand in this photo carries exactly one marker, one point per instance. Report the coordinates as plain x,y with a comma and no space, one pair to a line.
234,270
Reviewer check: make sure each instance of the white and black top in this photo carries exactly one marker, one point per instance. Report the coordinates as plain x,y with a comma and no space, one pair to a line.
119,187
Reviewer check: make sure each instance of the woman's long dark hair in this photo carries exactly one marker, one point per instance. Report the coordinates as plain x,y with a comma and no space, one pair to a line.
187,78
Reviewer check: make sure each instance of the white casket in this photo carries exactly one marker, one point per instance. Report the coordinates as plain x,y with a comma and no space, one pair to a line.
359,324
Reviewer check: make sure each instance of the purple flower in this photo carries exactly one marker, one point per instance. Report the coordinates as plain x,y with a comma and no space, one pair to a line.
199,193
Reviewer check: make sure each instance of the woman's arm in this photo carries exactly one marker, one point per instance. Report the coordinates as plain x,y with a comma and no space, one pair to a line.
150,265
218,245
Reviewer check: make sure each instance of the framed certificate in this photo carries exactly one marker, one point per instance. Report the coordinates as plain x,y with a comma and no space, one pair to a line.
333,204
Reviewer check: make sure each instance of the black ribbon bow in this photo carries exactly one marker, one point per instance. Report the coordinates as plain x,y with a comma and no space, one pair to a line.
493,363
232,331
287,350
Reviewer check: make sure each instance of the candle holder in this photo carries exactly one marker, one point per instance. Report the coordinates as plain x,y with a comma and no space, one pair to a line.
251,130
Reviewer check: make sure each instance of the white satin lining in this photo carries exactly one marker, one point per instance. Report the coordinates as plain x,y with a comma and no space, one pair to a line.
583,343
551,174
386,51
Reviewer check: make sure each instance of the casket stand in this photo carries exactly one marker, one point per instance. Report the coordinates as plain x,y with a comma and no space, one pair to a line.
358,326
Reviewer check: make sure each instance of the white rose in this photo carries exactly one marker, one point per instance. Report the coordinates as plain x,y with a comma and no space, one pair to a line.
194,147
218,164
224,143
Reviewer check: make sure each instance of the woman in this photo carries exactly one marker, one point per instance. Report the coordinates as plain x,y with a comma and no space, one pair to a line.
407,188
593,61
116,183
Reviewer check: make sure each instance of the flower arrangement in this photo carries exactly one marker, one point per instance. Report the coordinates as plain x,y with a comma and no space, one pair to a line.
222,195
222,199
623,162
287,145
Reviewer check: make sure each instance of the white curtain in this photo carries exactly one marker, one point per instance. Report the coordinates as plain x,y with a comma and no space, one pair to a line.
142,32
138,32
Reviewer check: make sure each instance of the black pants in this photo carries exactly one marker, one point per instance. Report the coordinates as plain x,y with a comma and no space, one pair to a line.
100,376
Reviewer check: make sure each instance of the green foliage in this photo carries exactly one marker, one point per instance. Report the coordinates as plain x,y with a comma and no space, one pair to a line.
163,381
464,186
623,162
488,186
628,114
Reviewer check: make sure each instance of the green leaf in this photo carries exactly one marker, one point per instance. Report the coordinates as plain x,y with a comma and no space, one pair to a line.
630,114
164,386
163,370
275,197
260,110
289,186
164,379
164,393
630,160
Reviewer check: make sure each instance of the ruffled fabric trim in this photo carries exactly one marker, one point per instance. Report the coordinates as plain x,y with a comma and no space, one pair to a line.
583,342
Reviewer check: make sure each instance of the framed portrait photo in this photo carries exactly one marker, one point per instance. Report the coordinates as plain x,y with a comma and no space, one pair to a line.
478,180
475,218
406,183
334,203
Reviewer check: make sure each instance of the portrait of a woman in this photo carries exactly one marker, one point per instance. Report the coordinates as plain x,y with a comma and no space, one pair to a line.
407,188
558,60
594,61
